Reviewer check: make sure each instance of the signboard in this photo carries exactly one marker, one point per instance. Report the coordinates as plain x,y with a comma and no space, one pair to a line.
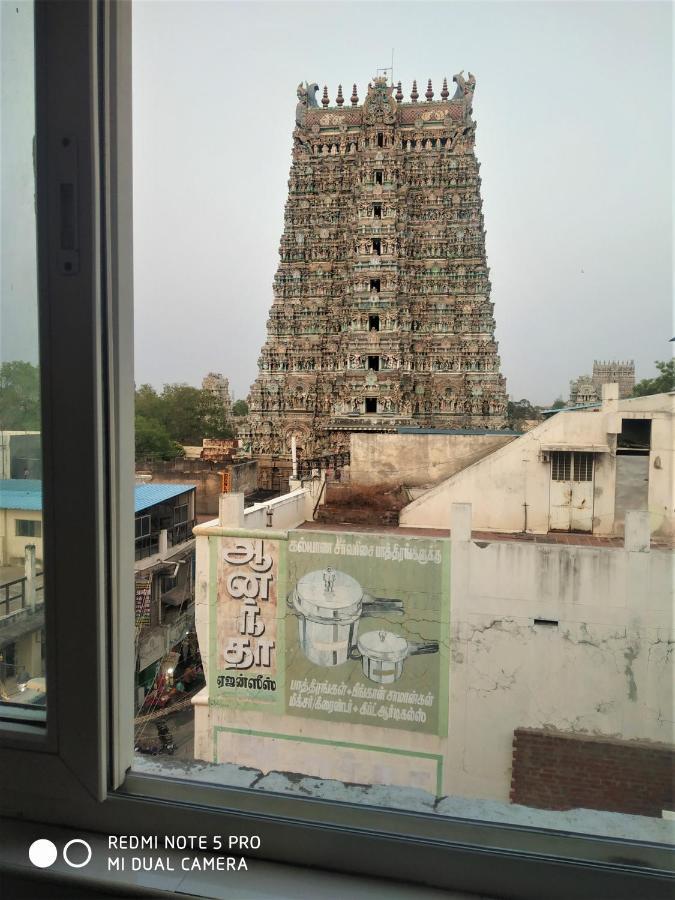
367,630
334,626
246,618
143,595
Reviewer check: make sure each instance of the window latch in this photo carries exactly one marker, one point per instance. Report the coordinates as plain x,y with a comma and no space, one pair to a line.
69,238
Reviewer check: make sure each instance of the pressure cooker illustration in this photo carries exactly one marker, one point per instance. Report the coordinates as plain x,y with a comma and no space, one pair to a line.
382,654
328,604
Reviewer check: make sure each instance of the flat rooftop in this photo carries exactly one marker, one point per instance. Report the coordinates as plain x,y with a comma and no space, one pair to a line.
579,540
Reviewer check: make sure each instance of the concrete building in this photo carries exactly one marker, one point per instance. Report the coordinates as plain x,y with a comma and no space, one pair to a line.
21,591
20,519
419,456
578,471
588,388
164,577
20,454
545,641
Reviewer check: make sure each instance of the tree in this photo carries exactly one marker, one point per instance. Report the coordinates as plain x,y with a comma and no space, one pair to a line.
19,396
183,413
149,403
664,381
518,411
240,408
214,423
152,439
559,403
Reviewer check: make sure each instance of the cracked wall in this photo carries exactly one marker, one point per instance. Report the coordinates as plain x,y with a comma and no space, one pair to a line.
599,662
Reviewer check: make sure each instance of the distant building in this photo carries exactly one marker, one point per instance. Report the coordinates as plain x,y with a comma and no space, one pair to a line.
20,519
382,314
21,594
581,470
220,388
20,454
588,388
164,577
582,391
613,372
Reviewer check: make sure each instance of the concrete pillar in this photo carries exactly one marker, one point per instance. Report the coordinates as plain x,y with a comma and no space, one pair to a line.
460,522
163,548
29,572
637,531
609,394
231,510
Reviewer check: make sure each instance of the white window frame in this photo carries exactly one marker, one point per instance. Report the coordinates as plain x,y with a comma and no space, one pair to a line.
81,758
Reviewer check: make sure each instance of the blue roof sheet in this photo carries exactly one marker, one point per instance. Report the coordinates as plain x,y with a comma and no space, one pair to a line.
26,493
21,493
151,493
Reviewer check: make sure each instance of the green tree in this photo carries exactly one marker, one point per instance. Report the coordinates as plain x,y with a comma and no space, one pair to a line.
152,439
183,413
519,411
664,381
149,403
19,396
240,408
214,423
558,403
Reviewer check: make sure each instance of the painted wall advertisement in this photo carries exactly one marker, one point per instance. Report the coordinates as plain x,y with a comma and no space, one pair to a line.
143,594
336,626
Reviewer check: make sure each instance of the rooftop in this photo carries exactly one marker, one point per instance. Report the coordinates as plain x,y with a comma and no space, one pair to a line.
26,493
554,537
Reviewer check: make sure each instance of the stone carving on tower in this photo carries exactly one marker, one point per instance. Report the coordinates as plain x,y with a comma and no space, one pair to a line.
381,315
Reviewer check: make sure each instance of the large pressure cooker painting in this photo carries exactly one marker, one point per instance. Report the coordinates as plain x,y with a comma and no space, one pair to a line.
329,605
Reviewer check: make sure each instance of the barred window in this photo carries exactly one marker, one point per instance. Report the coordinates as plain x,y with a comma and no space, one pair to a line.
583,467
561,465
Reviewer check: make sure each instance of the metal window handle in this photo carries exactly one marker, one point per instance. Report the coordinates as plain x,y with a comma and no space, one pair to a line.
69,232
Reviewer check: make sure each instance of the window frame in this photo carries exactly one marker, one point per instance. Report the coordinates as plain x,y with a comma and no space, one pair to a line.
81,758
34,531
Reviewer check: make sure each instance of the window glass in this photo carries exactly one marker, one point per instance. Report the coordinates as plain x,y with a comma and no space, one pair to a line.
22,673
364,570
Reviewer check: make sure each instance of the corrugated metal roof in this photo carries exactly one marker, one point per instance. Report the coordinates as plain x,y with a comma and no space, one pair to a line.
21,493
150,493
26,493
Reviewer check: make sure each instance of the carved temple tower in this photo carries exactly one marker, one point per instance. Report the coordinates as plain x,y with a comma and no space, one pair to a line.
382,315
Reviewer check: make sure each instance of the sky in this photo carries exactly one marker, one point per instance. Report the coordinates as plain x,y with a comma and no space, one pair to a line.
573,105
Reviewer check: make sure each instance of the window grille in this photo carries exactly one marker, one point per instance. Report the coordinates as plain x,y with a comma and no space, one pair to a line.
561,465
583,467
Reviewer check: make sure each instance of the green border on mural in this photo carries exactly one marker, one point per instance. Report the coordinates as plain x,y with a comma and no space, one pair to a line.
437,757
446,604
243,698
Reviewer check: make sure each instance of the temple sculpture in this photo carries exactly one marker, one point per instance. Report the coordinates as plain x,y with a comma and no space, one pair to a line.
381,316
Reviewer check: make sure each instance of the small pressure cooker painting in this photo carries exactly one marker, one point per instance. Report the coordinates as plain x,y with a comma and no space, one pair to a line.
366,630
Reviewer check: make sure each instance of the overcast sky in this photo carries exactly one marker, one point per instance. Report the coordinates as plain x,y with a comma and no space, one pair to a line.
573,105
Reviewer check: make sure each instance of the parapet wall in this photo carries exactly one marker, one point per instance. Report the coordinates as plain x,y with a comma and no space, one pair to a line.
418,458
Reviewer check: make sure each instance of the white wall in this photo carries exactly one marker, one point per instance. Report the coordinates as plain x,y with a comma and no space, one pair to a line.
498,485
416,459
288,511
12,547
606,668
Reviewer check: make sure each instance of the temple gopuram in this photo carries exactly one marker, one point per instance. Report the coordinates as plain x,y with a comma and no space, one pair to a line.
381,316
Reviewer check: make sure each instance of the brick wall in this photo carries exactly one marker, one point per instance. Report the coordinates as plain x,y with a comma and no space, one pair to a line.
555,770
